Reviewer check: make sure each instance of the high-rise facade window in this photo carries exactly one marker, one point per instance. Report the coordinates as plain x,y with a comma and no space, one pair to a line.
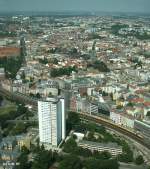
51,114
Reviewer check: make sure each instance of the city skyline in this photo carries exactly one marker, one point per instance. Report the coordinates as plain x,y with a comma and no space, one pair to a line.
141,6
74,85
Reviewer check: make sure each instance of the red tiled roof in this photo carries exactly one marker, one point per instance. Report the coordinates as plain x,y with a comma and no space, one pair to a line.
137,100
9,51
139,91
132,86
146,104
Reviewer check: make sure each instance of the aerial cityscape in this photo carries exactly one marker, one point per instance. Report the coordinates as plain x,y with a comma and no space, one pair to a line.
75,85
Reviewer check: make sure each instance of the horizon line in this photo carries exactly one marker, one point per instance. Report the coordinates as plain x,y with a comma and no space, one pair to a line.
74,12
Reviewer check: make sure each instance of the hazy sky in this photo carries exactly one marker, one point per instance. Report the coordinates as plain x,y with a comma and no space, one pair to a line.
86,5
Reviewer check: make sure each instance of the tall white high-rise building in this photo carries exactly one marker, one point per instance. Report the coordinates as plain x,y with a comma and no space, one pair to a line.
51,114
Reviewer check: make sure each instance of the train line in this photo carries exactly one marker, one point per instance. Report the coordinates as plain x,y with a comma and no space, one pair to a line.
28,100
15,96
119,129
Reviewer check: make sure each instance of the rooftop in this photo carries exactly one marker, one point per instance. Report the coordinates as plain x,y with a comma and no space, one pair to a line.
108,145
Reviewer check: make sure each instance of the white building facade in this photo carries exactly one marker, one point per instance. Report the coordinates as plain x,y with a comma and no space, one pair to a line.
51,114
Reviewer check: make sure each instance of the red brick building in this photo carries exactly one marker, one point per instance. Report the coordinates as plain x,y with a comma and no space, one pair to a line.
9,51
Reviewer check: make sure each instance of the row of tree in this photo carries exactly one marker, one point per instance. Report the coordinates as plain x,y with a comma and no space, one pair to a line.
41,158
19,127
1,100
116,28
74,123
7,34
141,36
71,146
11,65
63,71
73,157
99,65
11,115
74,162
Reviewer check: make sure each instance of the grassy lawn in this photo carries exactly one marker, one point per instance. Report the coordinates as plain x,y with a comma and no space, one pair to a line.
6,109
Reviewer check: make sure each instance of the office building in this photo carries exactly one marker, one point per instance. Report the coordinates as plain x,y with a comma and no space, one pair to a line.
51,115
112,148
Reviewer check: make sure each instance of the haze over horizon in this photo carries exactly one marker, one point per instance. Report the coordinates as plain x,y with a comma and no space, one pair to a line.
142,6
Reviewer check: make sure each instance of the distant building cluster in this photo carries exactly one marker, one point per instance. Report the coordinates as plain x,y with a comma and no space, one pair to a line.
9,52
96,65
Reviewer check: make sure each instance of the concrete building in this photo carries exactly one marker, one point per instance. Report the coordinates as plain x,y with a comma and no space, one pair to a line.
47,88
123,119
143,127
112,148
10,149
51,115
93,108
2,73
115,117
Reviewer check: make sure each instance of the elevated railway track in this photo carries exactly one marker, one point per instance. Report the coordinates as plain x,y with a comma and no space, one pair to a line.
28,100
115,127
15,96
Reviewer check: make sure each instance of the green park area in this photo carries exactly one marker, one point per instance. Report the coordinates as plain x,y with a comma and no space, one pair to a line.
8,109
74,157
11,111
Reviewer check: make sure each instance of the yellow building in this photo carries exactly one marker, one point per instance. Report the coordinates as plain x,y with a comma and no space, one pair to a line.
23,141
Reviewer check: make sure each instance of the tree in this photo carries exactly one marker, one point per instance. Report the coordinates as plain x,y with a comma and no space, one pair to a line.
70,146
104,93
23,159
63,71
22,109
93,163
101,66
94,36
43,159
83,152
73,51
148,114
91,127
115,28
127,155
38,96
105,155
1,99
25,150
55,61
73,120
74,136
130,104
70,162
119,107
28,114
91,137
19,128
139,160
50,94
111,95
43,61
23,76
11,65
